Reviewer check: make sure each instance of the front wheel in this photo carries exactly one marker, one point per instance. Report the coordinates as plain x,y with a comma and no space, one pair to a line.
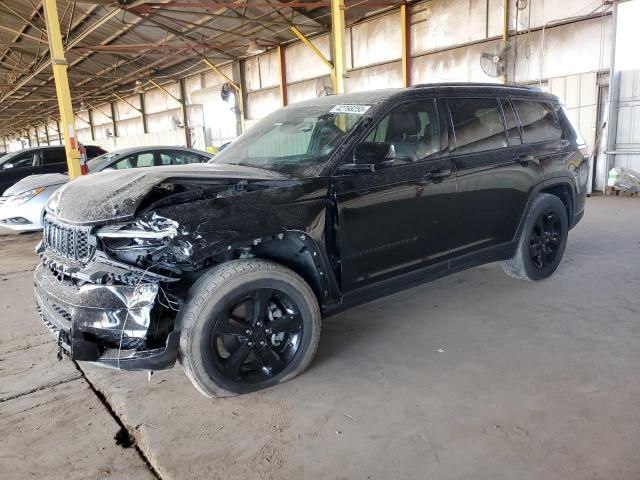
542,242
247,325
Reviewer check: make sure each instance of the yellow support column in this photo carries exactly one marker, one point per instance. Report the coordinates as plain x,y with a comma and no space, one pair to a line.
59,64
505,33
338,44
406,44
284,100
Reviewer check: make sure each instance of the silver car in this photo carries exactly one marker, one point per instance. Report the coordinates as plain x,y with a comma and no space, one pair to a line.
22,205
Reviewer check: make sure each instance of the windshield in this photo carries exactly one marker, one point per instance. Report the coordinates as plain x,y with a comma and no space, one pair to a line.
98,163
297,140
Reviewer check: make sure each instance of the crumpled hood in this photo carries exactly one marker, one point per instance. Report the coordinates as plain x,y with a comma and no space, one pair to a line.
36,181
115,195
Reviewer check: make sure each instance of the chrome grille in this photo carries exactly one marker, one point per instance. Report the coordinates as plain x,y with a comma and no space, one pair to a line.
67,241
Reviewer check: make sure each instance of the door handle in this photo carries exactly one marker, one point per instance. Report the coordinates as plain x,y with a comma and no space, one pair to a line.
437,175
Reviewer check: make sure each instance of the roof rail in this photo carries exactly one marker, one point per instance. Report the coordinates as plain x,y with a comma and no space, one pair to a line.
476,84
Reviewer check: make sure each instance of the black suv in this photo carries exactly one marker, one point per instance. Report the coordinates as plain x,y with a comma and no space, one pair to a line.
322,205
15,166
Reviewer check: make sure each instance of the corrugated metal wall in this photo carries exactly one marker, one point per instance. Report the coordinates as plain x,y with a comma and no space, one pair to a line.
579,95
447,39
628,130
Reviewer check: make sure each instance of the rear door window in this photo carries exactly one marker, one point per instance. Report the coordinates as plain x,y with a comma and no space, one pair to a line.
145,159
165,158
478,124
539,121
51,156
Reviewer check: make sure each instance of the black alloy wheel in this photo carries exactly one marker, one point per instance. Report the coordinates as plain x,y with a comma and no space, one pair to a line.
257,336
248,324
545,240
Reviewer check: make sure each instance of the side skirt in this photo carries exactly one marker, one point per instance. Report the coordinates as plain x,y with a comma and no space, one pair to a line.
393,285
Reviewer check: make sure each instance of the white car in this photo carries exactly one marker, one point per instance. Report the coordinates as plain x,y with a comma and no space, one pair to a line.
22,205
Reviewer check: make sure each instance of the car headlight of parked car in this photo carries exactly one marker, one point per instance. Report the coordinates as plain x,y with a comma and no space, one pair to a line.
24,197
152,232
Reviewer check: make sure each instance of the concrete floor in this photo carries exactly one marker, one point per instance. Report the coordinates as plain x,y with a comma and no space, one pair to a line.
475,376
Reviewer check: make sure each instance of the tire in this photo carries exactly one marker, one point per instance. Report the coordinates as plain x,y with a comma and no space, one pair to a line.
212,326
542,242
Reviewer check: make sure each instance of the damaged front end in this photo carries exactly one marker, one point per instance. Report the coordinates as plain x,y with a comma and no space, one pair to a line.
106,295
116,268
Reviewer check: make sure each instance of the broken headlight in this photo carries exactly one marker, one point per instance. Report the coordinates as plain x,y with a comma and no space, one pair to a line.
149,233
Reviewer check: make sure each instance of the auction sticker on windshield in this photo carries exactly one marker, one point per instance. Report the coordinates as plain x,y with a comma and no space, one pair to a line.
356,109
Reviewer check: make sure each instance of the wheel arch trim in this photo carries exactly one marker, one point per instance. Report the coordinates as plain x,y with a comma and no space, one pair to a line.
542,187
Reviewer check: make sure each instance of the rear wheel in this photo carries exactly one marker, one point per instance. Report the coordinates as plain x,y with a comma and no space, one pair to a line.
248,325
542,242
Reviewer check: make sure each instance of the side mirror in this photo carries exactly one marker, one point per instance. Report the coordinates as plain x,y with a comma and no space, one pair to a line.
368,156
7,166
373,153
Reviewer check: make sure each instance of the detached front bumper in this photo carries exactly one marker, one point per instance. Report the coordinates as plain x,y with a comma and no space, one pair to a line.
105,324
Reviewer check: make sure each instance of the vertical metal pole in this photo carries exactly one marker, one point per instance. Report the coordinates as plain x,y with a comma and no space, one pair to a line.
35,129
238,84
59,132
59,65
505,32
185,114
338,45
405,20
46,132
92,128
283,76
238,77
614,97
114,122
143,112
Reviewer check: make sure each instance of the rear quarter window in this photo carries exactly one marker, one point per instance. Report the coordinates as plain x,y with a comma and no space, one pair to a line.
539,121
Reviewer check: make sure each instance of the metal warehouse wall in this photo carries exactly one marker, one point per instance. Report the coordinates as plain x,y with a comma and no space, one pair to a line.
562,46
627,151
447,39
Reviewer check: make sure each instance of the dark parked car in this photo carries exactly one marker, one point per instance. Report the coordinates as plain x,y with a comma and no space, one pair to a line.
17,165
320,206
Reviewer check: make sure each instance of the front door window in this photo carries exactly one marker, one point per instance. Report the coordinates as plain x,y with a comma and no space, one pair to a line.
412,129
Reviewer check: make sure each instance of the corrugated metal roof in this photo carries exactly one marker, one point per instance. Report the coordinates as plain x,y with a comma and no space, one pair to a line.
112,46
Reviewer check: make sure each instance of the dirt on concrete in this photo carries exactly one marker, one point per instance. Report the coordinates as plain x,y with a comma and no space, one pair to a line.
52,424
476,375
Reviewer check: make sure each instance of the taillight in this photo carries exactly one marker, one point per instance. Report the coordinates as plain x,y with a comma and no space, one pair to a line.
584,151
